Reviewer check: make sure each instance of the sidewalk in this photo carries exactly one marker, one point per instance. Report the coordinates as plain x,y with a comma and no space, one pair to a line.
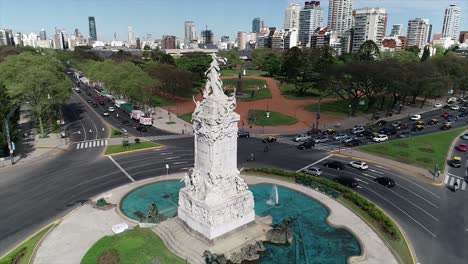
168,121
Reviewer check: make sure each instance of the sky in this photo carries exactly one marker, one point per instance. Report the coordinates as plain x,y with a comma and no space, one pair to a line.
166,17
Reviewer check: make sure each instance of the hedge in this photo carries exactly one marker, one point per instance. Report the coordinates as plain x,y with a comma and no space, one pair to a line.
335,190
14,257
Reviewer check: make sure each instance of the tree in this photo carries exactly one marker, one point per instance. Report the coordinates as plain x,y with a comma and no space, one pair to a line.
36,79
413,49
272,64
196,62
369,51
402,56
232,58
172,80
259,57
292,63
426,54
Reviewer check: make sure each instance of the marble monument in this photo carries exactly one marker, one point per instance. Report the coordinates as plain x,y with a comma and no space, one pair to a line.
215,199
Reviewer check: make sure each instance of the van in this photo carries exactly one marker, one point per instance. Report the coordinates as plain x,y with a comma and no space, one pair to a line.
451,100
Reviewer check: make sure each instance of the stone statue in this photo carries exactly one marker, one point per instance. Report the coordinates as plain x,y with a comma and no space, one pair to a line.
282,233
153,216
211,258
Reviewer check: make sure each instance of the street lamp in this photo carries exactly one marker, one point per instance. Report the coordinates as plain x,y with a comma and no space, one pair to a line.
7,126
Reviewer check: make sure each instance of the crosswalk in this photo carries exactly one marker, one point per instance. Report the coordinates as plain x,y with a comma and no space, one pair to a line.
166,137
450,180
91,144
330,146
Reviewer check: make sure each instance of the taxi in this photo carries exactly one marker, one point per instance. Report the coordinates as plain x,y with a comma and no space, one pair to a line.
456,162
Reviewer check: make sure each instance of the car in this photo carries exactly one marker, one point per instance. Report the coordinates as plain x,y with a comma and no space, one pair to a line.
451,119
105,113
455,107
95,105
90,101
402,126
433,122
269,139
462,109
405,134
464,136
334,164
446,106
456,162
142,128
420,123
396,124
415,117
329,131
354,142
373,135
321,139
125,122
438,105
357,129
306,145
301,138
88,93
101,102
110,109
346,181
380,138
314,131
243,134
365,133
417,128
312,170
445,115
77,90
339,136
381,123
385,181
463,114
462,147
358,164
388,131
348,139
446,126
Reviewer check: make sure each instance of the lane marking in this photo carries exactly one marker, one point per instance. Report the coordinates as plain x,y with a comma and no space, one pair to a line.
315,163
427,201
377,171
359,180
359,187
458,177
401,210
86,145
180,162
118,166
373,177
415,205
171,158
166,153
452,179
382,167
78,146
94,144
185,168
447,179
463,185
105,142
98,144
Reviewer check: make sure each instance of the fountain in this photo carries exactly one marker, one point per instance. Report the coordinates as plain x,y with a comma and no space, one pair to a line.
274,198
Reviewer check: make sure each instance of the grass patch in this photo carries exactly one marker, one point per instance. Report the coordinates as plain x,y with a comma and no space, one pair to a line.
288,90
170,123
423,151
336,108
227,72
136,246
252,94
186,117
26,249
258,118
246,83
114,149
159,101
115,133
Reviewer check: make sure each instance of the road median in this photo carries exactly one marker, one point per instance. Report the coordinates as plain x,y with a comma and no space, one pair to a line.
133,147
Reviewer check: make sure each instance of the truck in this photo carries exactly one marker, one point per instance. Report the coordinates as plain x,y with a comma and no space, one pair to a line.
119,102
136,114
128,108
147,121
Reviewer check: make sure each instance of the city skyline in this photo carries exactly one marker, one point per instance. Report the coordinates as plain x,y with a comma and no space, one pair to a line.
171,21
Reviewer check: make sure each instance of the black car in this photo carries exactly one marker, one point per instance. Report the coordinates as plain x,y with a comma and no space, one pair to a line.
463,114
365,133
90,101
125,122
381,123
385,181
346,181
95,105
306,145
388,131
88,93
243,134
353,142
314,131
334,164
141,128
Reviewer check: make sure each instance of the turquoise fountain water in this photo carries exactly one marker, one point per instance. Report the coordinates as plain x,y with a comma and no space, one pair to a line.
314,240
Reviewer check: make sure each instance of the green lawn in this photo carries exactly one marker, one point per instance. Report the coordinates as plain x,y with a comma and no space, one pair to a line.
288,91
275,119
159,101
28,246
423,151
248,72
252,94
136,246
336,108
114,149
116,133
187,117
246,83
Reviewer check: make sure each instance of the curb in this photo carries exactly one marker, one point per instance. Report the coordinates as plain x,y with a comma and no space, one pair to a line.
131,151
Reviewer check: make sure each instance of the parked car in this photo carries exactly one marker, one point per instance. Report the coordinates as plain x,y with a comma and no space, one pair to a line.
306,145
77,90
348,139
463,114
314,131
380,138
462,147
353,143
395,124
357,129
456,162
415,117
243,134
446,126
110,109
420,122
464,136
438,105
334,164
321,139
346,181
358,164
95,105
105,113
381,123
101,102
385,181
388,131
339,136
142,128
365,133
329,131
312,170
373,135
269,139
90,101
405,134
455,107
433,122
302,138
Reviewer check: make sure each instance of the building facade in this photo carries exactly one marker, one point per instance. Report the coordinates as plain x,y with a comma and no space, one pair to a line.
396,30
340,15
168,42
418,32
42,34
369,24
131,36
92,29
451,25
463,37
190,32
207,37
291,16
310,18
257,25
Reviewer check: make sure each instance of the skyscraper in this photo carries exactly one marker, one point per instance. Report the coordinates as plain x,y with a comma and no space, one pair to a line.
42,35
257,24
207,36
291,16
369,24
396,30
451,26
418,31
3,37
310,18
340,15
131,36
168,42
190,32
92,29
225,39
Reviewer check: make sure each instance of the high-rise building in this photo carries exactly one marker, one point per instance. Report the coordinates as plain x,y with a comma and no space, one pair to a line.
42,34
291,16
225,39
10,37
190,32
131,36
369,24
463,37
207,36
340,15
417,33
396,30
257,24
451,25
429,34
310,18
59,42
92,29
290,38
3,37
138,43
168,42
77,33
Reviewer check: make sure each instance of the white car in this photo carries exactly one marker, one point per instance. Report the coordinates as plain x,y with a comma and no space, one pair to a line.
415,117
77,90
380,138
348,139
302,138
312,170
321,139
105,114
455,107
438,105
339,136
111,109
357,130
358,164
396,124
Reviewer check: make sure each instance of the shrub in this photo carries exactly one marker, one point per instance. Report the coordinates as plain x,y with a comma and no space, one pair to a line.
110,256
14,258
101,202
137,140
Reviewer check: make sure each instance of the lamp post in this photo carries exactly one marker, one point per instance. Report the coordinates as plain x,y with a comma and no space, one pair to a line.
7,126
